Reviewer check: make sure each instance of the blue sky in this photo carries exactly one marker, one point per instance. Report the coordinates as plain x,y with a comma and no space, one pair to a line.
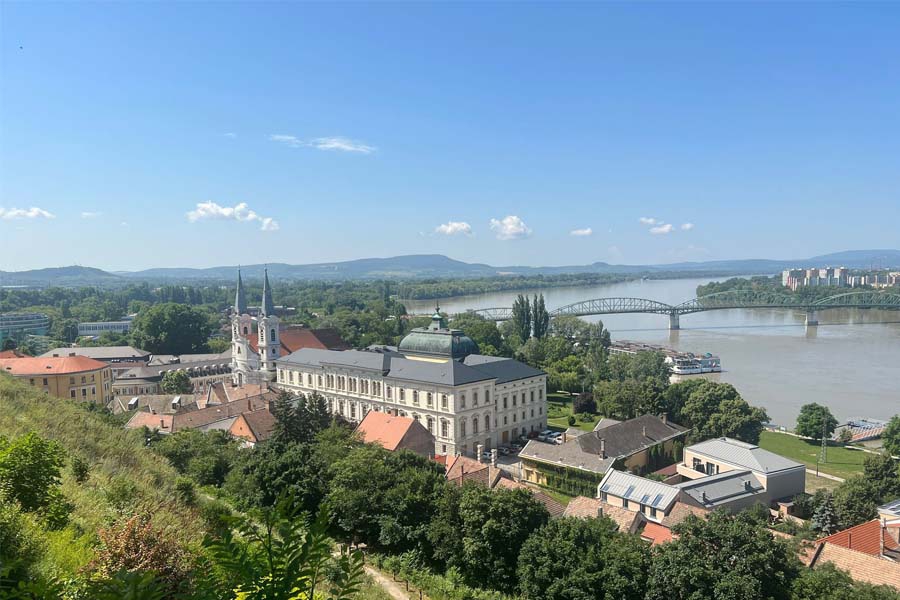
136,134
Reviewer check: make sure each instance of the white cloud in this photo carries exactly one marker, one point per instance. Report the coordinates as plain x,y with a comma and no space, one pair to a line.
342,144
662,229
687,226
230,134
510,227
648,221
582,232
9,214
454,228
88,214
338,143
239,212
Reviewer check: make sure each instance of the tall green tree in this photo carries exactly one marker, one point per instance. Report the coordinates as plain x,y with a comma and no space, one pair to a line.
717,410
814,421
176,382
856,501
521,318
723,557
825,518
30,470
583,559
540,318
171,329
891,436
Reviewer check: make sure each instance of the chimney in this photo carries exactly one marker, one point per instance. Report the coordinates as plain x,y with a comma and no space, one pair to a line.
703,495
494,458
478,450
644,430
249,405
55,355
664,418
881,537
599,510
162,423
747,486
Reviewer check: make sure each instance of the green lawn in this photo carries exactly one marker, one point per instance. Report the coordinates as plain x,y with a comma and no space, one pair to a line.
559,407
842,461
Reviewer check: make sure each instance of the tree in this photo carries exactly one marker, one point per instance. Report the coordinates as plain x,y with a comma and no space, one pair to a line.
814,420
639,366
521,318
891,436
540,318
480,531
171,328
676,396
582,559
584,403
176,382
881,471
723,557
825,517
284,558
716,410
856,501
483,332
30,470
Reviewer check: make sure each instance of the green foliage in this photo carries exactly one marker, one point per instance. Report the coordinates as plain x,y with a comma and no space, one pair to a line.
826,581
298,419
882,472
540,318
717,410
856,501
19,548
639,367
30,470
80,469
207,457
815,420
582,559
521,319
281,556
891,436
723,557
479,531
176,382
483,332
571,420
171,328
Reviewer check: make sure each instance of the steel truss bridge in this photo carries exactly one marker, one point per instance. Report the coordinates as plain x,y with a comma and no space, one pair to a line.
718,301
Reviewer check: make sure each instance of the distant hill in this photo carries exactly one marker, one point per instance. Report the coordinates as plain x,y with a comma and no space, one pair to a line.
420,266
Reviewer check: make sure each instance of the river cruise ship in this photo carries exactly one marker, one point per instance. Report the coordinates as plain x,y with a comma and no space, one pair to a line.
682,363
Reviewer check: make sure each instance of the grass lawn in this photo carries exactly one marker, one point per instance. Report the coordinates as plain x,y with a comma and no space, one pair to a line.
559,408
814,483
842,461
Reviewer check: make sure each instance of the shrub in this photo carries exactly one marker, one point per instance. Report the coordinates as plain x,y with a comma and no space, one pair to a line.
80,469
185,489
571,420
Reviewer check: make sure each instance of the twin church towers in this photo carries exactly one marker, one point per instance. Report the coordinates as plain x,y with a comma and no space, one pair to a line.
253,353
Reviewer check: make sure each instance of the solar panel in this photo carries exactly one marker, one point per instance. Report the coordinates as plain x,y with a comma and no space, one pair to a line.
605,488
644,498
656,500
628,491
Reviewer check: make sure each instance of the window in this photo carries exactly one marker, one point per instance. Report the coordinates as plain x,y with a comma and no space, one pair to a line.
353,410
72,393
532,414
505,402
71,381
92,379
83,379
31,381
603,496
416,397
540,410
443,448
93,390
272,335
505,419
462,428
532,395
514,399
445,428
431,424
84,392
487,396
319,379
475,398
430,399
652,512
523,415
402,395
475,425
540,394
462,400
388,389
487,422
444,401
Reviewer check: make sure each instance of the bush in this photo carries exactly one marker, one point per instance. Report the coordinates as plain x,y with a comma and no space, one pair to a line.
80,469
571,420
185,489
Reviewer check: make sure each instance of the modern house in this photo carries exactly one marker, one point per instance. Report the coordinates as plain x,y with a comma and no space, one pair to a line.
576,466
396,433
653,499
780,477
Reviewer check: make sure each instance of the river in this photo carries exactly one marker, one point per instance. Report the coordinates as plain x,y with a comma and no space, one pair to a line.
850,362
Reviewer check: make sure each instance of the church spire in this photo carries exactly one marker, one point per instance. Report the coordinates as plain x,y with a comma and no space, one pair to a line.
268,307
240,300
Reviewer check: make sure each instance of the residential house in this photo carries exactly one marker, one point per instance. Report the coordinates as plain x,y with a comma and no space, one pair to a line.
253,427
653,499
119,358
396,433
576,466
780,477
71,377
869,552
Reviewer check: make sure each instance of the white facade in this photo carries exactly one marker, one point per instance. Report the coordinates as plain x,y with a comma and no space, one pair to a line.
460,417
249,365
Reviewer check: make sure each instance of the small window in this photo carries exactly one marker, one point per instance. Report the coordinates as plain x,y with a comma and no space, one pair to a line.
444,401
462,400
72,393
487,396
474,398
84,392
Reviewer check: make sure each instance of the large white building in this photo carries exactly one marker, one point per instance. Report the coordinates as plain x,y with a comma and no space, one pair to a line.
251,364
435,376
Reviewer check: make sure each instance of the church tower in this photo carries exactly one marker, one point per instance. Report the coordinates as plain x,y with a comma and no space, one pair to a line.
241,328
269,340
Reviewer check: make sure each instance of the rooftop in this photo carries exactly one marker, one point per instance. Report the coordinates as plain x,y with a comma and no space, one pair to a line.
438,340
724,488
29,365
744,455
100,352
865,537
638,489
385,429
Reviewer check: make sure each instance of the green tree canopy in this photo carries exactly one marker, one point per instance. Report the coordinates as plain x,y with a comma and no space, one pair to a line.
716,410
856,501
30,470
891,436
176,382
815,420
583,559
171,328
521,318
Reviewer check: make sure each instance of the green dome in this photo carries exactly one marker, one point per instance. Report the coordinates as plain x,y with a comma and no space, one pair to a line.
438,340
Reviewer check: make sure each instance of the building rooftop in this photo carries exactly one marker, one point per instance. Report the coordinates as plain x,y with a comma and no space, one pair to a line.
385,429
40,366
724,488
295,338
261,424
618,440
438,340
867,538
100,352
744,455
638,489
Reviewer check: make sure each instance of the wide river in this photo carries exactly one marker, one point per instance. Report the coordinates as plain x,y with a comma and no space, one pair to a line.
850,362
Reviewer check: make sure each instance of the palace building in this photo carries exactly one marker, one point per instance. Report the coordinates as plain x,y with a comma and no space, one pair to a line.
435,376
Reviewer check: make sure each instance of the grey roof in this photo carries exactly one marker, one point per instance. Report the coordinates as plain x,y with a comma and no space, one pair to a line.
744,455
99,352
638,489
186,359
721,489
892,508
155,403
390,363
438,340
605,422
240,298
620,441
503,369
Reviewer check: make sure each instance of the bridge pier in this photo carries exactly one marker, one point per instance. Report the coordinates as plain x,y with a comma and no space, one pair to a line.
812,318
674,321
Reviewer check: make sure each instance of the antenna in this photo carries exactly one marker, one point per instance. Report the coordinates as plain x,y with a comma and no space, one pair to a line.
823,455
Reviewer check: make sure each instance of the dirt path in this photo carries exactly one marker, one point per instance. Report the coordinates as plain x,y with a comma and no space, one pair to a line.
393,588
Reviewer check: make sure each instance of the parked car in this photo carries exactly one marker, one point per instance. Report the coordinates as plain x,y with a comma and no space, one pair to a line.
504,450
515,448
545,436
486,455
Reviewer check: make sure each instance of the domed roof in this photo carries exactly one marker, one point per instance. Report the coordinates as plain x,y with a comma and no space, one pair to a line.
438,340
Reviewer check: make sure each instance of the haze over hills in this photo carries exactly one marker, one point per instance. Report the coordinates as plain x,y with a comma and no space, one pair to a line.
419,266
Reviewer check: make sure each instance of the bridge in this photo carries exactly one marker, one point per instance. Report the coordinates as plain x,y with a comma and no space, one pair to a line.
718,301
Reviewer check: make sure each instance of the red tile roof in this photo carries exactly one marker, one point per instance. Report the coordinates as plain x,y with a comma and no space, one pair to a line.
295,338
53,365
582,507
656,534
680,512
860,566
865,538
10,354
553,507
151,421
261,424
385,429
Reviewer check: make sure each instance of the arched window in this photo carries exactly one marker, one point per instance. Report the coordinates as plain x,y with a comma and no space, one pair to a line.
272,334
462,428
475,424
487,422
245,330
